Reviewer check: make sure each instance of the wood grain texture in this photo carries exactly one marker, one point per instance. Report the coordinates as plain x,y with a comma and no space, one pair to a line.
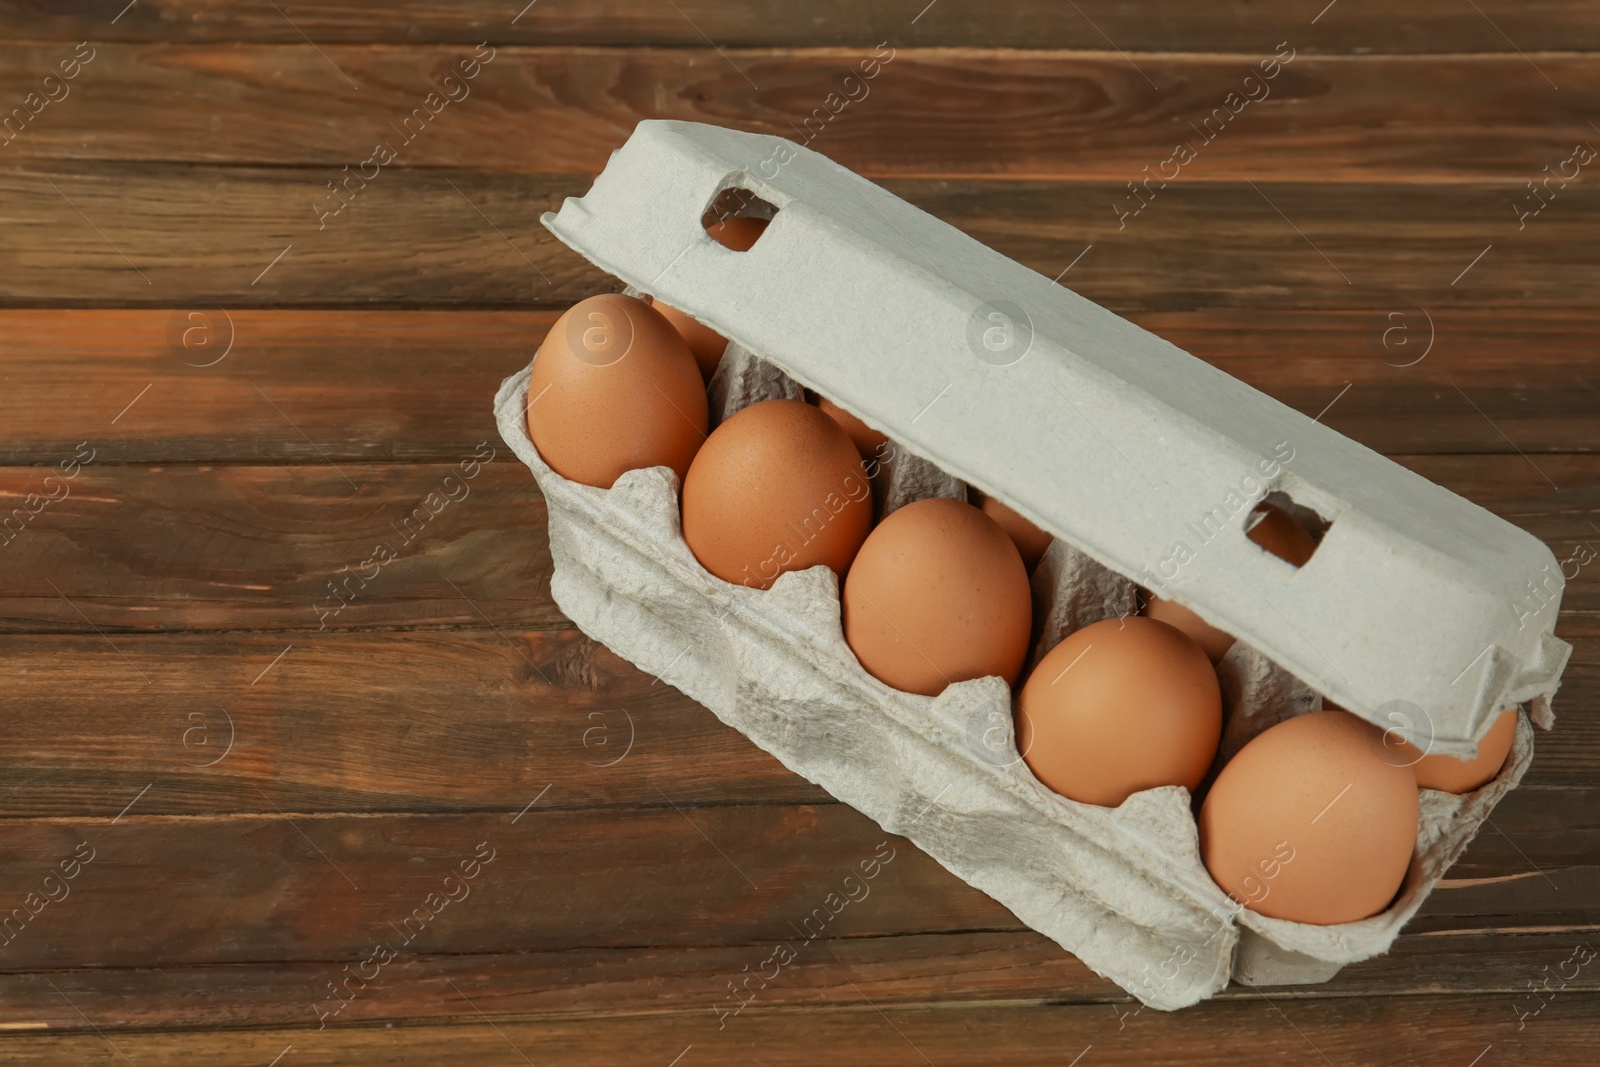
922,113
298,886
248,236
290,885
252,386
1161,25
1265,1029
474,720
321,548
343,385
1006,967
272,786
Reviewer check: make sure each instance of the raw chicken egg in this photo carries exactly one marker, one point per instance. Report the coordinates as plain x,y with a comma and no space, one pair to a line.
1029,539
1275,530
867,440
614,388
1119,706
778,487
1280,533
739,233
1215,642
937,595
1451,775
1312,821
707,344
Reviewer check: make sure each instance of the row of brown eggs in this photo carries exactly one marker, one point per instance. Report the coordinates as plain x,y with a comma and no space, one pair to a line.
1314,820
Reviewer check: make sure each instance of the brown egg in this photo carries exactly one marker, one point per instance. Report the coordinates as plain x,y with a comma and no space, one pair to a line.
1215,642
737,233
937,595
1029,539
867,440
1311,822
613,389
777,487
1451,775
707,344
1119,706
1280,533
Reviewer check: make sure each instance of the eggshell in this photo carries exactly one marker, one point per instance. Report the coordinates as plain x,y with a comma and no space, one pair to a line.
1029,539
1312,821
737,233
707,344
1451,775
867,440
1280,533
1119,706
937,595
777,487
1215,642
614,388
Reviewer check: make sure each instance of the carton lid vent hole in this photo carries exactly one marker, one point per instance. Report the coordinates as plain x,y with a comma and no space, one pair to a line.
1288,530
736,218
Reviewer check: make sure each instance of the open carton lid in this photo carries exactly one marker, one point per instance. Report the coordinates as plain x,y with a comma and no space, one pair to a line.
1419,610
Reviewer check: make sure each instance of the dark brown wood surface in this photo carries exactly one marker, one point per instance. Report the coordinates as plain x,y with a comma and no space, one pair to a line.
1230,26
271,779
171,235
1042,115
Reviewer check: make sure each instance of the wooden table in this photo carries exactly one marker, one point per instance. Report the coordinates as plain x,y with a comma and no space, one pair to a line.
256,777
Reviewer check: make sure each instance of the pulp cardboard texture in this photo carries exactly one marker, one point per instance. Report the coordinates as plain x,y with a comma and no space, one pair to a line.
1117,443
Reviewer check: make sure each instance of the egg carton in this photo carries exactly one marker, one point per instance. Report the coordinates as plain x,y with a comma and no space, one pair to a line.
1112,440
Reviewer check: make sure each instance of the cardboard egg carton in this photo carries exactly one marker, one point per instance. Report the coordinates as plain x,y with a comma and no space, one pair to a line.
1143,462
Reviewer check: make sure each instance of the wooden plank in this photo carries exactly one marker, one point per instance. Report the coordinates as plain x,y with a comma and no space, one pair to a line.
922,114
303,385
316,548
181,236
411,721
1001,967
245,236
1160,25
298,886
851,1028
332,546
292,886
257,386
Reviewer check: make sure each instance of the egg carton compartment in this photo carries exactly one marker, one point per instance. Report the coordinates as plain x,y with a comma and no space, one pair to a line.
1258,694
1122,888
